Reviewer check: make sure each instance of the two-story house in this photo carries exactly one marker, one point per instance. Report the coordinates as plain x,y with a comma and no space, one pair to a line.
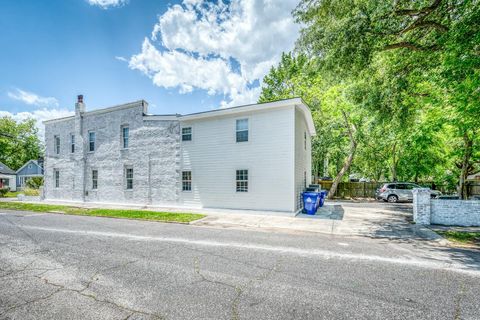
249,157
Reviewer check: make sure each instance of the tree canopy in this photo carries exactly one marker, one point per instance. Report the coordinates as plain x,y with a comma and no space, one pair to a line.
19,142
394,87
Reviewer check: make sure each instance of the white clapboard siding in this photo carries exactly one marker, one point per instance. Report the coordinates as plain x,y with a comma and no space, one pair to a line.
213,156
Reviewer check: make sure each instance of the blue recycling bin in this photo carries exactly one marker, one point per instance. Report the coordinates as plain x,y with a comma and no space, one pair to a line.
323,195
310,200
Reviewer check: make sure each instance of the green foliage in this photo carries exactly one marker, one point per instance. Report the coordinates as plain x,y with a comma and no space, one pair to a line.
4,191
408,72
18,142
35,182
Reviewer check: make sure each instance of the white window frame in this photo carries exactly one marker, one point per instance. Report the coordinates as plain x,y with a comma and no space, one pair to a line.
242,130
241,185
94,179
125,140
56,178
187,181
127,168
56,144
187,134
72,143
90,133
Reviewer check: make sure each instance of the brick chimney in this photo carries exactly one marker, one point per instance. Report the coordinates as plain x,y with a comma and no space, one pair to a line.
79,106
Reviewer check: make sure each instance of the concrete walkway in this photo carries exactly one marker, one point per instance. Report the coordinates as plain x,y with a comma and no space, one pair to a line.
342,218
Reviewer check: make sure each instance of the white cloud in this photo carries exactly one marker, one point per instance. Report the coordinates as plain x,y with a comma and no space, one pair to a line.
39,116
199,39
32,98
105,4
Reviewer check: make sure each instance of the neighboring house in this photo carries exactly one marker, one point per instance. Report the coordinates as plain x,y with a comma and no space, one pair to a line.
29,170
7,177
475,176
250,157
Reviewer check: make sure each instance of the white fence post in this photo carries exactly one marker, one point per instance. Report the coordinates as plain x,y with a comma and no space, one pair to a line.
421,206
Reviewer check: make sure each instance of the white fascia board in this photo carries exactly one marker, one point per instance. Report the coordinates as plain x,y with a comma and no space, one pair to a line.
241,109
168,117
308,118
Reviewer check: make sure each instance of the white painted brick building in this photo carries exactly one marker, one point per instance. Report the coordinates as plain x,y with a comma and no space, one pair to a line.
250,157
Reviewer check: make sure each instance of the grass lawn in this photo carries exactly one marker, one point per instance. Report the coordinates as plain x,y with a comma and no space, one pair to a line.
114,213
461,237
12,194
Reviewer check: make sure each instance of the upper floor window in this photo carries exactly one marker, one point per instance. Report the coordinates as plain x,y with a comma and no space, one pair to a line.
129,178
94,179
125,136
242,180
56,174
187,134
242,130
56,145
186,180
91,141
72,143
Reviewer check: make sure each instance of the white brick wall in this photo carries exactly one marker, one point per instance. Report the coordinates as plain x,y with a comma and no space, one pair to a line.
445,212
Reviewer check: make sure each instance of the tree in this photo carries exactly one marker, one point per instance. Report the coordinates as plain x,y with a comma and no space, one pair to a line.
19,142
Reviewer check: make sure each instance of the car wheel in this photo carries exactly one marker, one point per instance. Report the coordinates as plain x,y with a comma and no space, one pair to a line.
392,198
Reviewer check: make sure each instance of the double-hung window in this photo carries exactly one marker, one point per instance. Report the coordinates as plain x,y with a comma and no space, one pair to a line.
125,136
242,180
242,130
91,141
56,145
56,175
129,178
94,179
186,180
72,143
187,134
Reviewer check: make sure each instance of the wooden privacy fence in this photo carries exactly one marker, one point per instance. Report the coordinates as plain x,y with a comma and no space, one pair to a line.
368,189
353,189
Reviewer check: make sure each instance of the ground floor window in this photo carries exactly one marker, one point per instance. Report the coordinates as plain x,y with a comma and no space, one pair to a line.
56,174
4,183
94,179
242,180
129,177
186,180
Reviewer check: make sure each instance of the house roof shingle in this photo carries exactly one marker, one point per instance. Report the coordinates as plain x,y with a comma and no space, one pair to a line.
5,170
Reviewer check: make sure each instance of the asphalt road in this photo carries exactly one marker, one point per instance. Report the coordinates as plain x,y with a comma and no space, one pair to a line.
72,267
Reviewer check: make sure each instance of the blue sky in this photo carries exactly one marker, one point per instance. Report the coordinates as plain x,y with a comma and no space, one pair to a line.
180,56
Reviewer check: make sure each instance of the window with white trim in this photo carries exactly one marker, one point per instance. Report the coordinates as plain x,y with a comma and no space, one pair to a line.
56,145
94,179
91,141
125,136
72,143
186,180
56,175
242,180
128,178
242,130
187,134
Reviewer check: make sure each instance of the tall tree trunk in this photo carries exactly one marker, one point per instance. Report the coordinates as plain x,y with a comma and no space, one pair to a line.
394,162
467,154
348,161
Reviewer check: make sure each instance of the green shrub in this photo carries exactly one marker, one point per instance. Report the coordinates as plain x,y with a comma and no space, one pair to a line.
35,182
31,192
3,191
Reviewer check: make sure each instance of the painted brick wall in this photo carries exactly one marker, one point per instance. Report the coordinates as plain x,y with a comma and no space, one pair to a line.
444,212
455,212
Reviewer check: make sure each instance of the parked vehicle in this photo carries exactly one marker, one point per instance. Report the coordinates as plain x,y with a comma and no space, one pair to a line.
400,191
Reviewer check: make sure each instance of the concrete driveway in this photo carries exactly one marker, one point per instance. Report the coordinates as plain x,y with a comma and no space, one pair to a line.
342,218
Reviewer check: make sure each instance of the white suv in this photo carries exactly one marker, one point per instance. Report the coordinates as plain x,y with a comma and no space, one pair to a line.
400,191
